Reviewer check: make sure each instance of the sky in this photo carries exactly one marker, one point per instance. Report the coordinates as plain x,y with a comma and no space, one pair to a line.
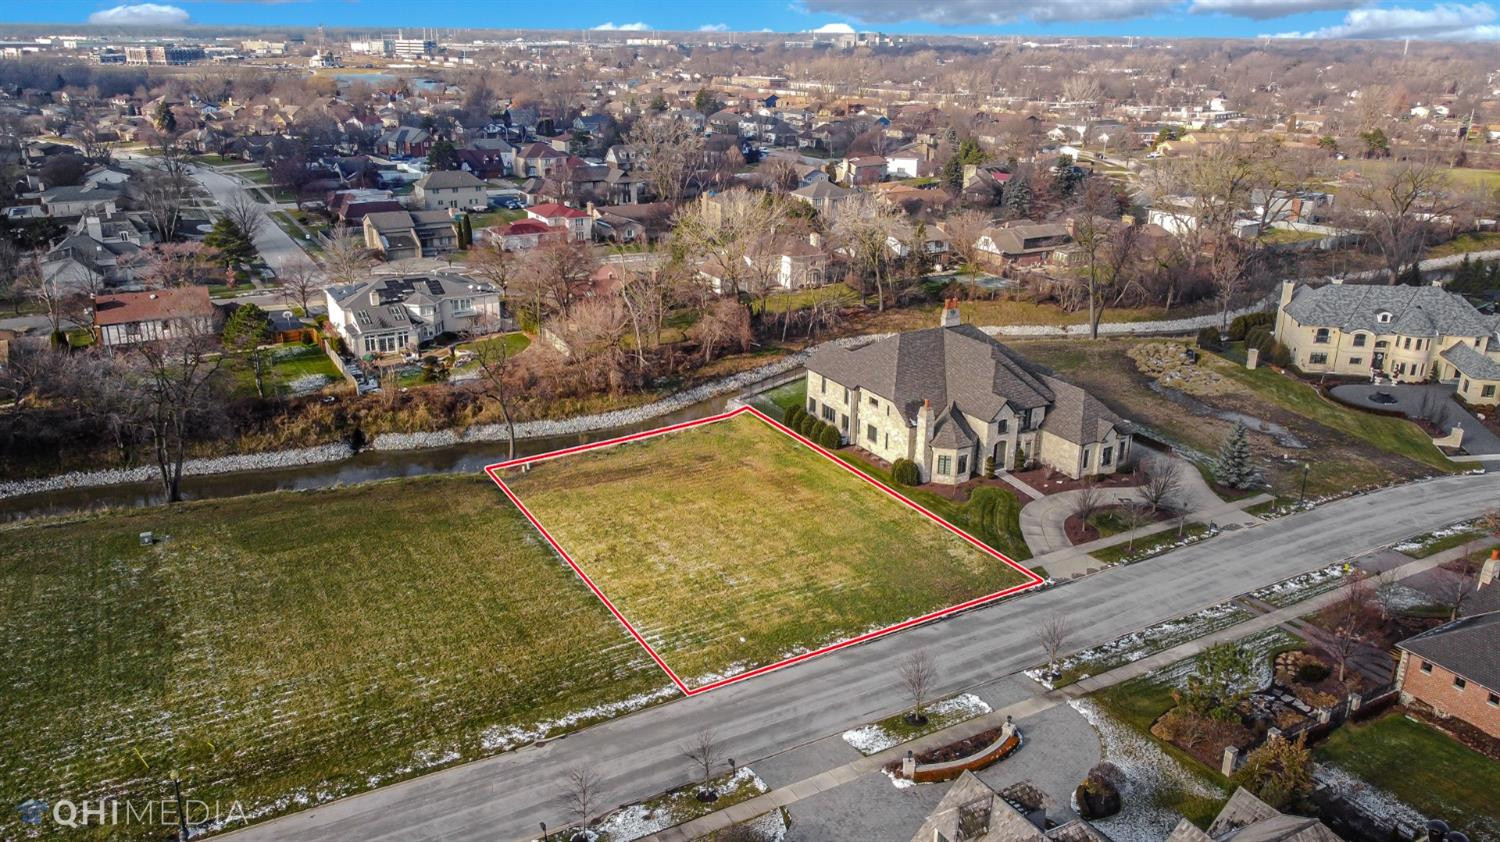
1430,19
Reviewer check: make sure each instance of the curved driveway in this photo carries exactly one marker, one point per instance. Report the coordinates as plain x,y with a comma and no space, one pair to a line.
637,756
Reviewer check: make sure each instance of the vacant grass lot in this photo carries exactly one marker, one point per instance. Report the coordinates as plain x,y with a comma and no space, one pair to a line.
1345,448
730,545
284,649
1452,781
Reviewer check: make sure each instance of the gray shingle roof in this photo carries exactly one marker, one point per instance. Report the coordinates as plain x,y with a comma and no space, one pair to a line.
448,179
1471,363
1077,416
1415,311
1468,646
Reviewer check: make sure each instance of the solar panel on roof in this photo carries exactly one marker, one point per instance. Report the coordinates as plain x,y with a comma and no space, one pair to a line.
434,286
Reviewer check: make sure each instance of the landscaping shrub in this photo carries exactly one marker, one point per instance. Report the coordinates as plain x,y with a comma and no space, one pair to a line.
1208,339
1281,355
1258,337
905,472
794,416
828,437
1311,673
808,425
1240,327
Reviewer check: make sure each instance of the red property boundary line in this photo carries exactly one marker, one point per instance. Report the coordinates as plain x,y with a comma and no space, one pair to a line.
1032,580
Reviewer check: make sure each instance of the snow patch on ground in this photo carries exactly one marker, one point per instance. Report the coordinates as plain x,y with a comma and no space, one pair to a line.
1371,799
1148,770
638,820
1421,542
1137,645
503,738
870,739
1298,588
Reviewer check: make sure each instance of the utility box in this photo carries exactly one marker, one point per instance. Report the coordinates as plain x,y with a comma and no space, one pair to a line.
147,539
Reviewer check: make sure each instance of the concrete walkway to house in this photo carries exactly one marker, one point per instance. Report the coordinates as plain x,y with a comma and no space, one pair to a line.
1043,519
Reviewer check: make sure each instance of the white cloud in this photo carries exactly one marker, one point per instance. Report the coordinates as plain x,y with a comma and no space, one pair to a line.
714,27
1266,9
960,12
834,29
141,14
624,27
1443,22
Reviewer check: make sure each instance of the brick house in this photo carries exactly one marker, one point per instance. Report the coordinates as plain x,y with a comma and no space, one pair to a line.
951,397
1454,669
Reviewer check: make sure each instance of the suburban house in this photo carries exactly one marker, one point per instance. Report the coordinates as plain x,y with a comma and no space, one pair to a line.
950,398
823,195
79,199
1245,818
861,171
971,811
1025,244
519,235
801,263
398,235
1454,669
446,189
98,252
538,160
404,142
1406,333
396,314
130,318
578,224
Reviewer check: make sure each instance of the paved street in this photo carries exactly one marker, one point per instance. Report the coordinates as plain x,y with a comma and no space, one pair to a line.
276,247
638,755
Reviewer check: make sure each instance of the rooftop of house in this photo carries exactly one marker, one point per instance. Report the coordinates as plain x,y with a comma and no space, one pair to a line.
821,190
163,304
552,210
1472,364
973,812
961,367
383,303
1468,646
1410,310
449,180
1246,818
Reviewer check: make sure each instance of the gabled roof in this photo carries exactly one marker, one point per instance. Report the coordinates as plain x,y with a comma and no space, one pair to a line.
552,210
1414,311
1468,646
1471,363
822,190
448,180
958,365
1076,415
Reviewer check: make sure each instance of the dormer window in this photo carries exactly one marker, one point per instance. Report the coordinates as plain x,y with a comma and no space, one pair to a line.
1383,317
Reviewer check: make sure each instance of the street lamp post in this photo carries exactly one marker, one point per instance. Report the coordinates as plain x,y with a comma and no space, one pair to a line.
544,831
182,823
1302,495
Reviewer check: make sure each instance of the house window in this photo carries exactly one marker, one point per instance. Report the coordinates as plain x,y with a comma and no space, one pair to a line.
1356,360
1487,391
874,402
1494,700
822,385
1109,453
844,423
1317,359
1406,345
1381,343
944,464
1459,682
1400,368
846,395
1085,457
963,465
1427,666
1321,336
1004,426
1359,340
811,405
870,432
1383,317
827,412
1463,385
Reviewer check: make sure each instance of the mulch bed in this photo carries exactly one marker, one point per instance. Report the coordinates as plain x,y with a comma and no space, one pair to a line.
1079,532
1049,481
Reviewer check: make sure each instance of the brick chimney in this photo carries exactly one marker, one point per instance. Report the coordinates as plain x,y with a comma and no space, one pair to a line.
950,314
1490,571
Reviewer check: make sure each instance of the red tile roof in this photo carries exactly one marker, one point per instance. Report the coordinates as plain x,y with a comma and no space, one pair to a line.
552,210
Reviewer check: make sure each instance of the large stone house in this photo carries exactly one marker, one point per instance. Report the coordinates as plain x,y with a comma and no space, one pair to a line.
949,398
395,314
1408,334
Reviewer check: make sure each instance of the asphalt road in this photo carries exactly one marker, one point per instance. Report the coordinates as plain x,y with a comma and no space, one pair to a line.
276,247
504,797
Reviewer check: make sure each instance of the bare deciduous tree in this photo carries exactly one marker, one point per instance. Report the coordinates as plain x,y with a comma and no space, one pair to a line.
245,213
299,279
1393,204
863,226
704,752
176,380
964,230
917,673
1087,500
668,151
1454,589
346,259
1053,633
1352,620
581,793
1163,479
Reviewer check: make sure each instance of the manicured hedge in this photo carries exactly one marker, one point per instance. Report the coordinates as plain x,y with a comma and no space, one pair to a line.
794,416
828,437
905,472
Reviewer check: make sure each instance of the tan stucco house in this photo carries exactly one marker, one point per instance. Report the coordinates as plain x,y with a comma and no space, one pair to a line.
1408,334
949,397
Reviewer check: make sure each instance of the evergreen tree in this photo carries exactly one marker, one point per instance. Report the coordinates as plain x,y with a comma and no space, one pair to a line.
952,174
164,120
442,156
1016,200
230,241
245,331
1234,468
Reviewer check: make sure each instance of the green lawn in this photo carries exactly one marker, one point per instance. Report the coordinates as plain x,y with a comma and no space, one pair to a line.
781,302
1422,766
514,343
259,175
494,217
285,649
731,545
1480,241
786,396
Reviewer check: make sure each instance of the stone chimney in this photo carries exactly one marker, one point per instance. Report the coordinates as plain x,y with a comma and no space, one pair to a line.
1491,570
1288,288
950,314
94,227
815,240
924,432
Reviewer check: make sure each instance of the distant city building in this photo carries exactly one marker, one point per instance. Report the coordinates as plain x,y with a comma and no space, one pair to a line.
168,54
